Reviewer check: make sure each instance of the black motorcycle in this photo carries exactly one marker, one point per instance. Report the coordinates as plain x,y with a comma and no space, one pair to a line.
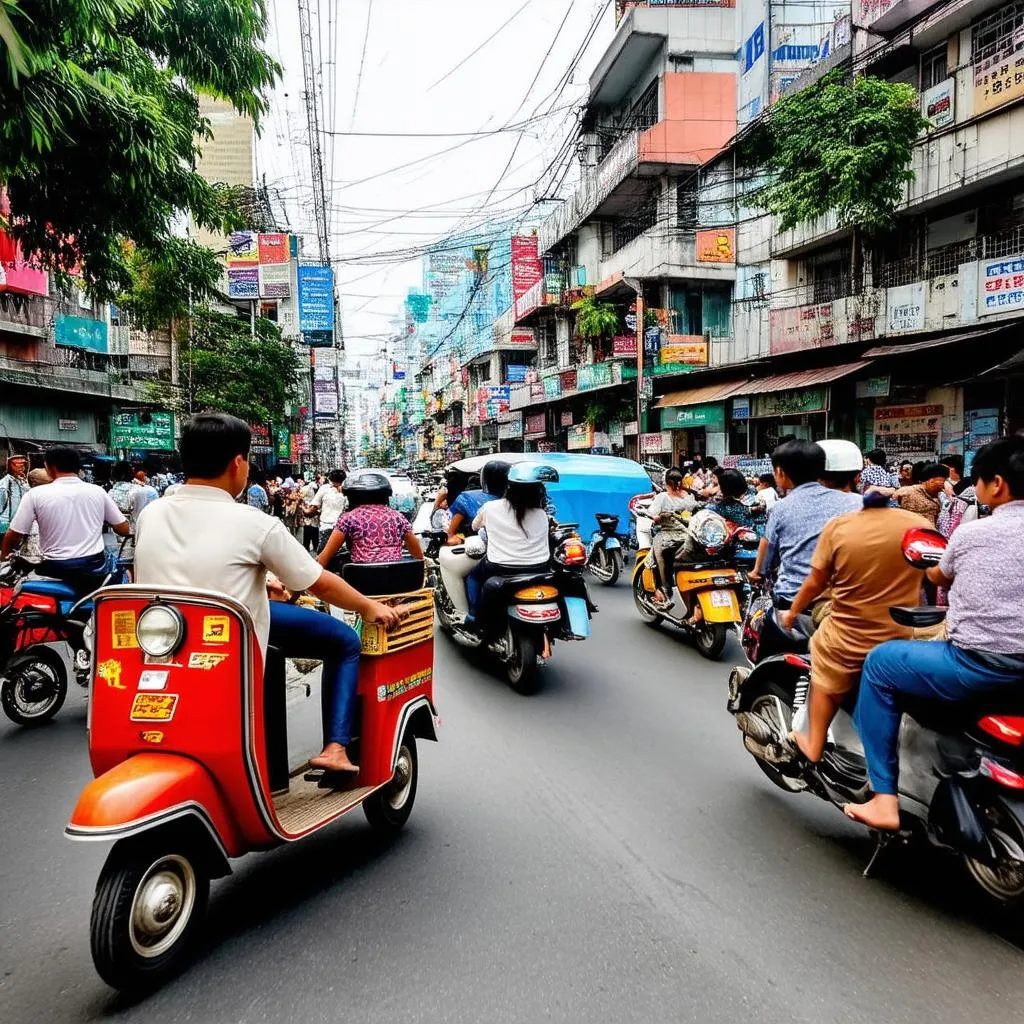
961,778
605,559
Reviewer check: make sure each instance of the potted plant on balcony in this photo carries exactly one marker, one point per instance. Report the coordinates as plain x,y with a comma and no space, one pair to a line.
595,322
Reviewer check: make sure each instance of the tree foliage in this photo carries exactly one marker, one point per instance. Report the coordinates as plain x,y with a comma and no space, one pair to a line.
838,146
595,319
100,127
223,368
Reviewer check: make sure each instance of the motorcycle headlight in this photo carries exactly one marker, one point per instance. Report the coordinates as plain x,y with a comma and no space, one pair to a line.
712,533
160,630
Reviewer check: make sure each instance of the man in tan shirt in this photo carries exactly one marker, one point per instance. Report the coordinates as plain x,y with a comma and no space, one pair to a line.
923,497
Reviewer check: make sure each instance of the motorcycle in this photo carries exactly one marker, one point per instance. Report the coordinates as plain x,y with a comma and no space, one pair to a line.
519,617
961,766
709,589
604,552
39,618
189,745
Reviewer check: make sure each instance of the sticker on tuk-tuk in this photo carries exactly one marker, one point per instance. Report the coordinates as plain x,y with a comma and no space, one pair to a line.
389,691
216,629
122,631
153,707
205,660
151,736
110,672
153,679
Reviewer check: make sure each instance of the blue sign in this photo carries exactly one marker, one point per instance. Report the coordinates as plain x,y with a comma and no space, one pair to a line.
516,374
800,53
316,298
80,332
741,408
399,374
753,48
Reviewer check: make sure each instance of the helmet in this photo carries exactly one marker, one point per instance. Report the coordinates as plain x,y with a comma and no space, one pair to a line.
841,456
494,477
369,488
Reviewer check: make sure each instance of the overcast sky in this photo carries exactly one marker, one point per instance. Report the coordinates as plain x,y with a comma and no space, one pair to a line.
411,45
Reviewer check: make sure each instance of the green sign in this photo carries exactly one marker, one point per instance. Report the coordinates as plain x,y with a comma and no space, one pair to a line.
657,370
552,386
283,444
789,403
681,417
127,431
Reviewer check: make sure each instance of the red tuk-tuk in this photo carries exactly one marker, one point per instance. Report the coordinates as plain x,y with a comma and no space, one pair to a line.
189,746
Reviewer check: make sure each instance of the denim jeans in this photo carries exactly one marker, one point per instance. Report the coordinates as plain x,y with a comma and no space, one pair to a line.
304,633
917,668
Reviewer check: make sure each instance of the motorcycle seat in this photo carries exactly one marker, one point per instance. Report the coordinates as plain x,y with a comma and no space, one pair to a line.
498,583
917,618
382,579
56,589
955,716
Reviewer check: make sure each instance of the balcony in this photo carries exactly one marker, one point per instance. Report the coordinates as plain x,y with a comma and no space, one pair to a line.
660,253
885,16
26,315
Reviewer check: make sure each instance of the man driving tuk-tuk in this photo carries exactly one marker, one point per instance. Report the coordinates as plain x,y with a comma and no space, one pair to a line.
201,538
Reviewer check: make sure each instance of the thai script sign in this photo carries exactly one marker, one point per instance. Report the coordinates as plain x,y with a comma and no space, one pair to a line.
1000,285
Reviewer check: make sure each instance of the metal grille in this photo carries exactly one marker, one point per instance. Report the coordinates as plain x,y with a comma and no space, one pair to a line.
897,272
645,218
947,258
831,288
992,33
1004,243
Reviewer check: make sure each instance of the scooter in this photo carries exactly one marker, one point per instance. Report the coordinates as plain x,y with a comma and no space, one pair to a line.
189,746
604,552
961,772
709,590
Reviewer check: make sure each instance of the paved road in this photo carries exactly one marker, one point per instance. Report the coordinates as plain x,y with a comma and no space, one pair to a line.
604,851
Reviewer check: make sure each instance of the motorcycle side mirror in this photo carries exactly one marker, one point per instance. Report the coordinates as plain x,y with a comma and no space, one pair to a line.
923,548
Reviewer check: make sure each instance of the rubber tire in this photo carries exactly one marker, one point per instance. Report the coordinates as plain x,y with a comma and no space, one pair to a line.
773,773
382,817
115,960
1000,903
613,577
442,620
524,678
711,640
53,661
652,619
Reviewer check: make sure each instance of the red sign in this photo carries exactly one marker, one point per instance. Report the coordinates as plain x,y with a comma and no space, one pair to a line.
273,249
526,266
16,274
624,345
536,424
568,380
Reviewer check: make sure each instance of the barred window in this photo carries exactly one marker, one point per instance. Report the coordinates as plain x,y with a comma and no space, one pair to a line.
934,67
993,33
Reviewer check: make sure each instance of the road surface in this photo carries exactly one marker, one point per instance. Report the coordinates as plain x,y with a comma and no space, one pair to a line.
602,852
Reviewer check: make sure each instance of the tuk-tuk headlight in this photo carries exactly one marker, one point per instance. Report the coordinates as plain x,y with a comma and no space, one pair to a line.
160,630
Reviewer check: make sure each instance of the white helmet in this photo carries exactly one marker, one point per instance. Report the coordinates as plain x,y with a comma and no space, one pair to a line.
841,456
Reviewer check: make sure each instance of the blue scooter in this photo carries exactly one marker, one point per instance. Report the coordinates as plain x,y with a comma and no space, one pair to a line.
604,552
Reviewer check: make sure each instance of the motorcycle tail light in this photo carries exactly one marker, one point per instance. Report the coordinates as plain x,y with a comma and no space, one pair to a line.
1008,728
572,552
796,661
1003,776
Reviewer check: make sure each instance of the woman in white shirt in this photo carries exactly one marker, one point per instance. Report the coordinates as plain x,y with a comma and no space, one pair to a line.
517,529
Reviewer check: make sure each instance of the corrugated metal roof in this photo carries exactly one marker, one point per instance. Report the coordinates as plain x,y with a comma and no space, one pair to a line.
758,386
920,346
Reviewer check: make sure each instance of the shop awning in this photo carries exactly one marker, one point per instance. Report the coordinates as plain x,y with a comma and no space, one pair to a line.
759,386
929,343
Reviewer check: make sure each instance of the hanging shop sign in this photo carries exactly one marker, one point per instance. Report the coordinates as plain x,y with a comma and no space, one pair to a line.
261,444
1000,285
316,298
795,402
513,429
516,374
598,375
527,268
128,431
521,337
938,104
624,345
873,387
711,416
908,430
536,425
616,434
999,76
654,443
566,418
716,246
244,283
741,408
552,386
905,308
684,350
580,437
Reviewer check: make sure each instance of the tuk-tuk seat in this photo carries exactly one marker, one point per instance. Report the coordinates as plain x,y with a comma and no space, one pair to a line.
379,579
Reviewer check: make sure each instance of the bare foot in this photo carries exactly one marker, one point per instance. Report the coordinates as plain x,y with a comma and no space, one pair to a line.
333,758
882,811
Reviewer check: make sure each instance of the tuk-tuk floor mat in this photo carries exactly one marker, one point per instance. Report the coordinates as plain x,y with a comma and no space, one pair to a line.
306,804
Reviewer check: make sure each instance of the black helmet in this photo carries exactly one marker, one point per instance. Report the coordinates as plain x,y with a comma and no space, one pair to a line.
369,488
494,477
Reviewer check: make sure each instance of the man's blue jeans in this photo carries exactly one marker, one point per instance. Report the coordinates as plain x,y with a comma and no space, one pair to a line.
917,668
304,633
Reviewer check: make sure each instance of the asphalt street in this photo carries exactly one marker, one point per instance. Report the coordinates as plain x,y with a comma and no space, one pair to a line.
604,851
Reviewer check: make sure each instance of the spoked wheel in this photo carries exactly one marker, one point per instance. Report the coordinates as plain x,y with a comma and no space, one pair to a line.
521,669
778,715
147,913
389,808
1002,882
711,639
643,603
605,567
34,687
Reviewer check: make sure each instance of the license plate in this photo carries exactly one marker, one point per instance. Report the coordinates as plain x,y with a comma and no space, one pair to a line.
721,598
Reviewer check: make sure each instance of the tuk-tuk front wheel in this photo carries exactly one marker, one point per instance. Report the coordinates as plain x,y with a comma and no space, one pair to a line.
147,913
389,808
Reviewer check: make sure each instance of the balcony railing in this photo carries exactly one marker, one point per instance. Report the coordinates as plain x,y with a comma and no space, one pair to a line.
946,260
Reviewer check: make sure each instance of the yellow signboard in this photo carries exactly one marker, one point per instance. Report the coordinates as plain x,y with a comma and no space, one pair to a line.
999,72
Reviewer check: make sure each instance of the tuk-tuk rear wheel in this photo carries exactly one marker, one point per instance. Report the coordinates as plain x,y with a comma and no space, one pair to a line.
147,912
389,808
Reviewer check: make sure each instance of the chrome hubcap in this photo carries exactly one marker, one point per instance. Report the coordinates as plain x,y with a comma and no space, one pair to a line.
34,690
401,781
162,906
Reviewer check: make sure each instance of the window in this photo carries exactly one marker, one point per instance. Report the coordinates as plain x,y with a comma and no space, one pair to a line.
548,342
933,67
831,280
625,230
641,116
686,203
995,33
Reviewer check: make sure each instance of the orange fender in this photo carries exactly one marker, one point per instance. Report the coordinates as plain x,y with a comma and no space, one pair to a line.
150,790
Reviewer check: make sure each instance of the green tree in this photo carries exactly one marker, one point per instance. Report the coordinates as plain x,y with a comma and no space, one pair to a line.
839,146
223,367
379,457
100,127
595,320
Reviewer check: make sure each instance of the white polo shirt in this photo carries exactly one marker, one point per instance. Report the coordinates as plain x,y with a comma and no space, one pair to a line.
70,514
331,503
200,537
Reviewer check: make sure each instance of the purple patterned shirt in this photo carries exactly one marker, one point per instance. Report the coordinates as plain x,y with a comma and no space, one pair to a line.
375,533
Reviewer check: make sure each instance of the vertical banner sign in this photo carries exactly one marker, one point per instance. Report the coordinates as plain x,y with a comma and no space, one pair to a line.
316,305
526,266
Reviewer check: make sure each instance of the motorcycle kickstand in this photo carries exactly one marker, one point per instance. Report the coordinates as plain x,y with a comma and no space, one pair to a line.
883,841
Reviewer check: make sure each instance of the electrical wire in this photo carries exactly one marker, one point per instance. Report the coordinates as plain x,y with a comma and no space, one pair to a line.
362,62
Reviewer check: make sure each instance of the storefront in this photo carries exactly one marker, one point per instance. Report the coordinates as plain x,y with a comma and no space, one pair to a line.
696,429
